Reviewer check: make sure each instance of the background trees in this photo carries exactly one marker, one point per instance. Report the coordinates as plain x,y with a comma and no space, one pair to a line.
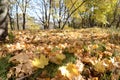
43,54
16,8
59,13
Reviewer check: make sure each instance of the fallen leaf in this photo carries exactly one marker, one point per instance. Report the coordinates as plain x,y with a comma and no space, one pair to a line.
40,62
99,67
73,69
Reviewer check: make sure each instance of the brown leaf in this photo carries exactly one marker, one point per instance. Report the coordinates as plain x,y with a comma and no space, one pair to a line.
20,58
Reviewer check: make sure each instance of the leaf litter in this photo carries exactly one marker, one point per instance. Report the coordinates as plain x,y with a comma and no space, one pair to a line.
98,55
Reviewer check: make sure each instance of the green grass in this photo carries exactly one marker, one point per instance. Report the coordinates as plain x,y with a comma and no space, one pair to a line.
4,66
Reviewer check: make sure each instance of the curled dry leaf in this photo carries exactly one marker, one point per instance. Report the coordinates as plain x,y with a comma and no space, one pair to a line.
20,58
23,66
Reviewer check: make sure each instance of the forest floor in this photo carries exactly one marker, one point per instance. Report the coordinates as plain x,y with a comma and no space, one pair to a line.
80,54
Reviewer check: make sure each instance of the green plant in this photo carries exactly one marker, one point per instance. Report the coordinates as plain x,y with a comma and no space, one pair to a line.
116,53
4,66
70,57
106,76
102,47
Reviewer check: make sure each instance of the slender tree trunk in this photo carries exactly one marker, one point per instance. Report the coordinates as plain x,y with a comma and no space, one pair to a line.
90,21
11,22
118,23
46,16
54,22
114,15
83,23
60,8
50,5
17,17
24,20
25,3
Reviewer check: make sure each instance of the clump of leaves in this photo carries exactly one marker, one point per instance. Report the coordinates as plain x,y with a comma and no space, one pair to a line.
4,66
52,68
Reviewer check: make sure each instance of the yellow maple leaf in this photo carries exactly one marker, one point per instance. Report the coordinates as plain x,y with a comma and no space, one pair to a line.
72,68
100,67
70,71
40,62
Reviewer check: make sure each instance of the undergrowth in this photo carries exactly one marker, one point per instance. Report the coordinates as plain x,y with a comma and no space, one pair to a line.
4,66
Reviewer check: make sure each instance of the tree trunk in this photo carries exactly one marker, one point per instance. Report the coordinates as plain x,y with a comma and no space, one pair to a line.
49,13
17,17
24,21
90,21
118,23
60,10
11,22
3,20
114,15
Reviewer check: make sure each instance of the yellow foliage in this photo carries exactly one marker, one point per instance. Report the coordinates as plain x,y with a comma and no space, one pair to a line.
99,67
100,17
95,46
69,71
72,68
40,62
60,56
68,27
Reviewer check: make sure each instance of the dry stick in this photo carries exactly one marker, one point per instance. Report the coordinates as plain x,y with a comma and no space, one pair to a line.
22,78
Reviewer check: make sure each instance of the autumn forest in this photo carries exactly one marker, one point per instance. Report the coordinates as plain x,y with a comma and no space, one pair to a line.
60,40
